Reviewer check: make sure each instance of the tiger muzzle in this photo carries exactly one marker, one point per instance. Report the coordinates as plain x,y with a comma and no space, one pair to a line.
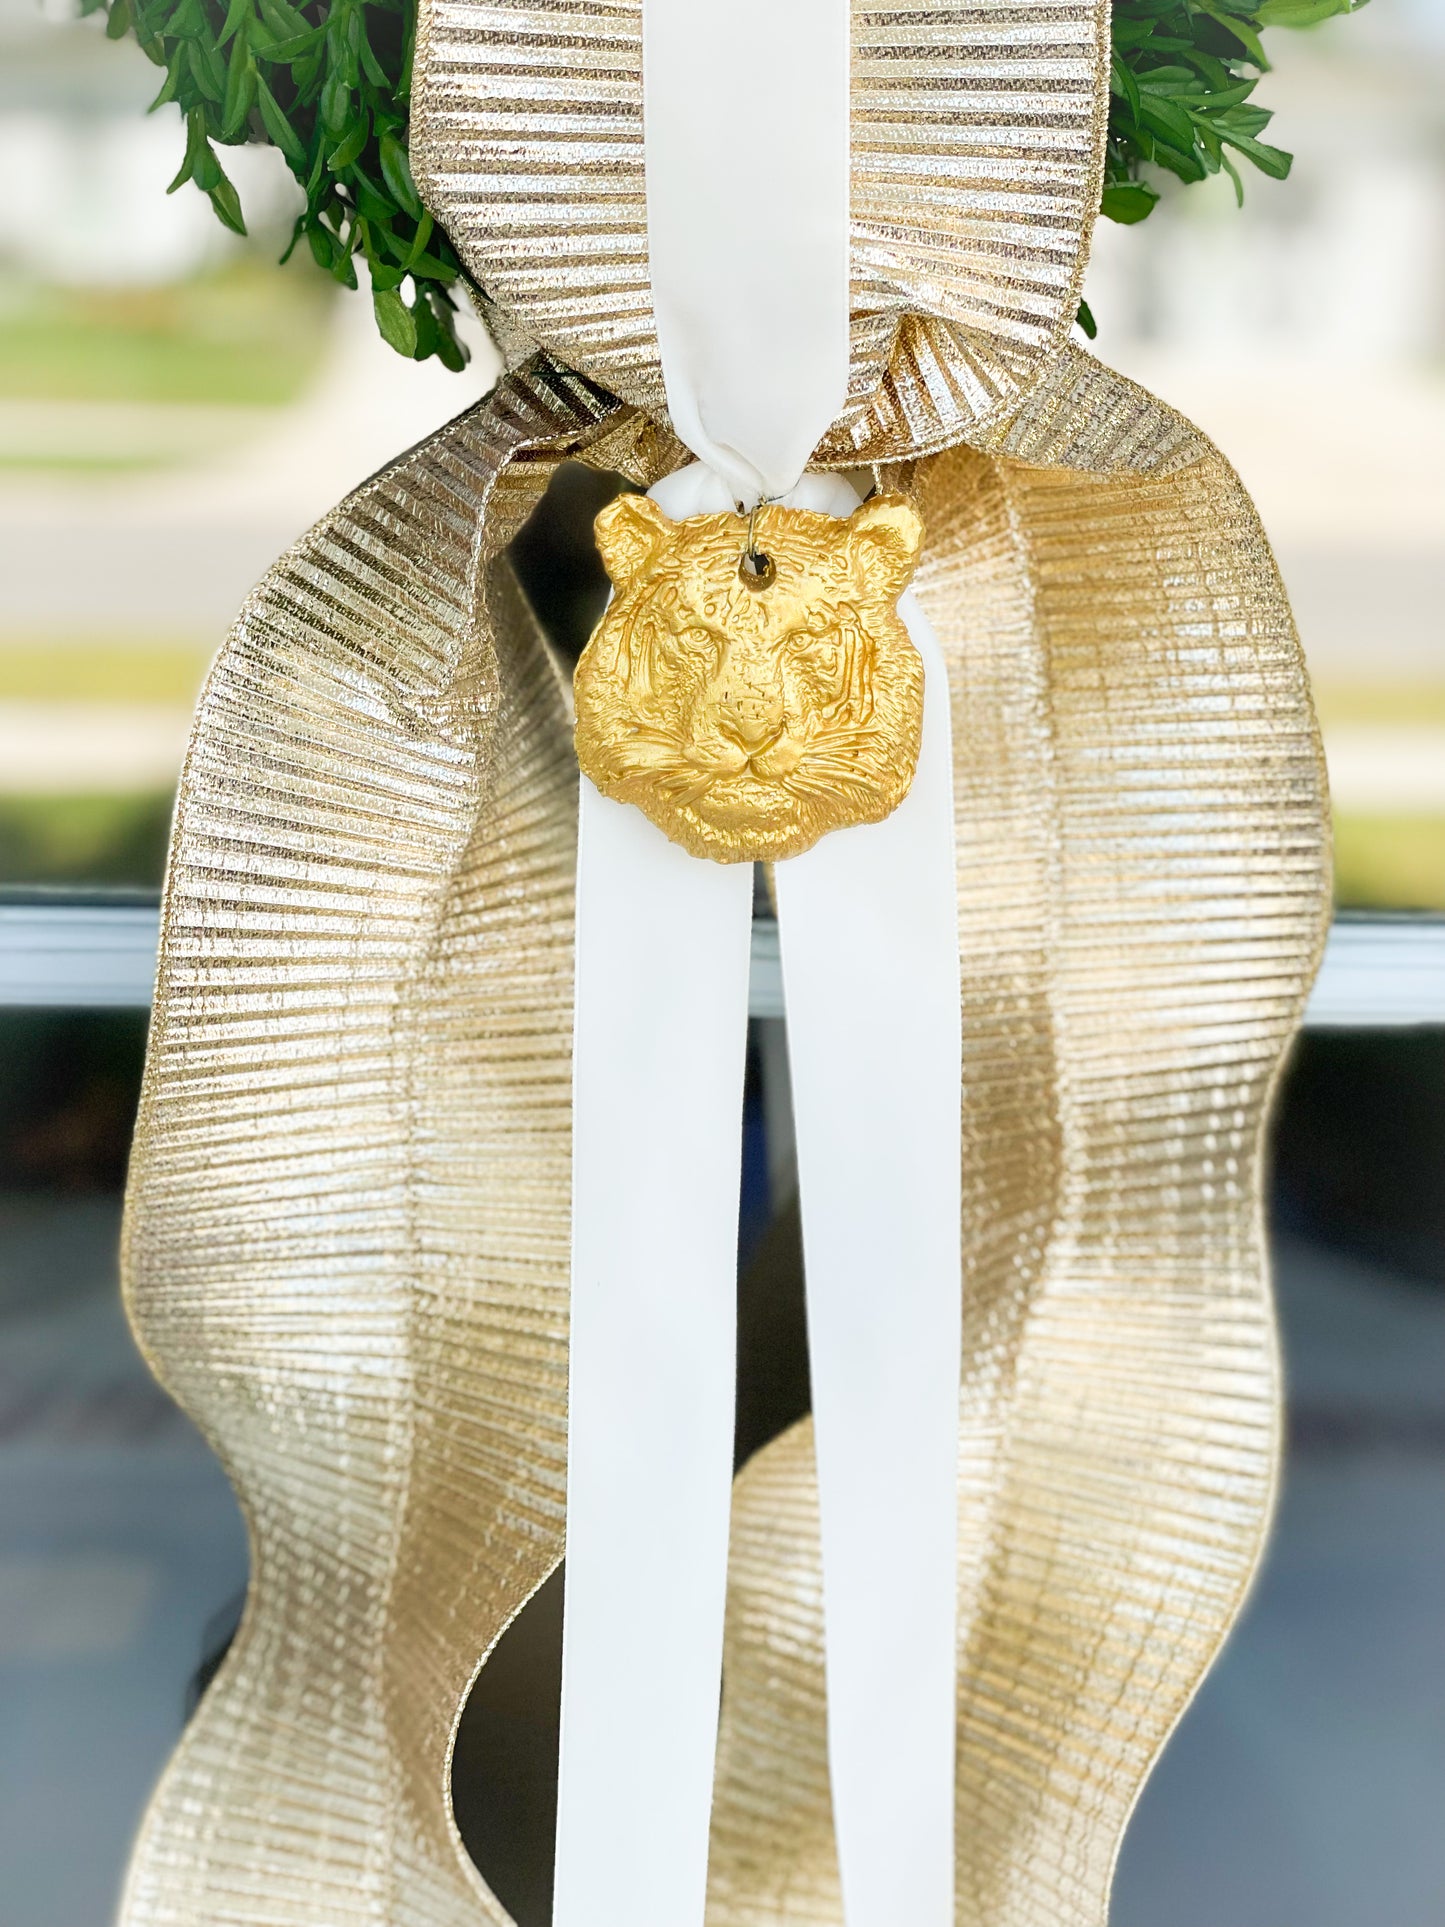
746,702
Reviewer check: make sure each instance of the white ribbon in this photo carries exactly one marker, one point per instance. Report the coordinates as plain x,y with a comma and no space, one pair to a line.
745,116
658,1054
868,924
747,150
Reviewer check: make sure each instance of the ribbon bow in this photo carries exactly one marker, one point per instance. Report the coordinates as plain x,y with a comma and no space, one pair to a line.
349,1219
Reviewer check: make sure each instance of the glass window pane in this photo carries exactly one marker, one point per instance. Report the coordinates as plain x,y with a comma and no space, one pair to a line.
1306,334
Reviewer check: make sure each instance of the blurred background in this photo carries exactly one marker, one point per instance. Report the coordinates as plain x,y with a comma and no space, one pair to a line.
174,411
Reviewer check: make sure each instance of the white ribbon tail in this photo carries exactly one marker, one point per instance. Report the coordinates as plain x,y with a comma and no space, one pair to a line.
869,937
659,1052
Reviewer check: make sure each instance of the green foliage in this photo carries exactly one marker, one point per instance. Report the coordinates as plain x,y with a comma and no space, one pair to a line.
1183,73
327,82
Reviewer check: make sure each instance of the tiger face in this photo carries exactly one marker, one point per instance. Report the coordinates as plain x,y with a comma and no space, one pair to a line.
748,713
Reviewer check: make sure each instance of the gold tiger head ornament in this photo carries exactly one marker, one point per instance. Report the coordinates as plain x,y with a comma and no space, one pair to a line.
750,701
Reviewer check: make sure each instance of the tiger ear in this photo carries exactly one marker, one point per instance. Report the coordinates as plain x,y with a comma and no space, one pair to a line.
629,533
882,540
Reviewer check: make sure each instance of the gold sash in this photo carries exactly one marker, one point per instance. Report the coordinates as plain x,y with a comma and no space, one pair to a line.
347,1235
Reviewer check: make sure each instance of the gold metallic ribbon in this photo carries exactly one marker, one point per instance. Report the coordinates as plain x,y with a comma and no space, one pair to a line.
347,1234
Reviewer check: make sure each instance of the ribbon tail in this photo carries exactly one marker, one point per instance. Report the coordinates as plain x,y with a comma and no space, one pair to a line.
660,1046
869,937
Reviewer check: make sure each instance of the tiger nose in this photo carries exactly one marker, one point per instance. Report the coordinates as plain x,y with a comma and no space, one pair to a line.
746,702
752,717
755,725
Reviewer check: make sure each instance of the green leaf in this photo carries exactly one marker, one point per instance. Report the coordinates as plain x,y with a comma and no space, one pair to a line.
428,331
1128,202
1242,32
1217,77
186,20
1188,167
1087,322
1272,161
449,351
285,53
1244,120
282,133
351,144
1130,33
238,14
168,88
343,268
241,84
396,172
395,320
369,200
210,83
335,102
1123,83
442,309
195,149
385,243
227,203
208,174
1220,99
431,267
373,68
408,52
419,241
1302,13
351,38
283,19
1165,118
118,20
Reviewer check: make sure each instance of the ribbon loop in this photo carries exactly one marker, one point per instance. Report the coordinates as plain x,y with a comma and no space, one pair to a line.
746,131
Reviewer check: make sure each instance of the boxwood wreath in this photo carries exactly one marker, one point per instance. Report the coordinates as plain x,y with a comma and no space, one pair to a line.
327,82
